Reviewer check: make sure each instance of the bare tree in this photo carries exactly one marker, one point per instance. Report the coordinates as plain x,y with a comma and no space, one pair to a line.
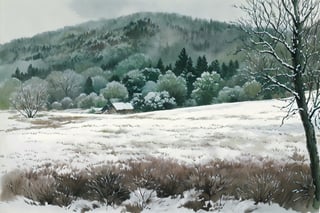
30,98
65,84
284,34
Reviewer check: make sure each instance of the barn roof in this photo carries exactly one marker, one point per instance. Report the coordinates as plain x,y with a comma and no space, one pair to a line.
122,106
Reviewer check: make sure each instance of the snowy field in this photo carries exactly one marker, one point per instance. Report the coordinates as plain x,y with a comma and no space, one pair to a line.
190,135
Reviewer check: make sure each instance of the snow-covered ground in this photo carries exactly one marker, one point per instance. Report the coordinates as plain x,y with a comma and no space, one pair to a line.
190,135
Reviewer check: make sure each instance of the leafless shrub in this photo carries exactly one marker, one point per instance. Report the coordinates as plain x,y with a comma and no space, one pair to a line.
41,189
289,185
73,184
108,186
261,187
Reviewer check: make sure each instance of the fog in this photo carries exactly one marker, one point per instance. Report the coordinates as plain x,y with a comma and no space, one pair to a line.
222,10
29,17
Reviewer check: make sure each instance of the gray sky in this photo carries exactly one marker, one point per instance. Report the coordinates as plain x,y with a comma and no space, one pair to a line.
25,18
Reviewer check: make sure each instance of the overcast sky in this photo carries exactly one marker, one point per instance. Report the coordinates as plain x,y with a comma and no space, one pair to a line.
25,18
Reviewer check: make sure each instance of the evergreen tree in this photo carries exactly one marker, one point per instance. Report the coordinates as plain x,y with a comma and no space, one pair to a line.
233,66
236,64
202,66
168,67
224,71
160,66
189,76
189,67
181,63
88,86
215,66
17,74
114,77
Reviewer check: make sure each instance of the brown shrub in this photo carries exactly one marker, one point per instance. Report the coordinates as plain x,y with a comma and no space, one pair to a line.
289,185
108,186
12,184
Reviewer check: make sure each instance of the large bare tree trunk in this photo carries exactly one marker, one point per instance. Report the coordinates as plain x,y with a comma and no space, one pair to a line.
287,32
311,140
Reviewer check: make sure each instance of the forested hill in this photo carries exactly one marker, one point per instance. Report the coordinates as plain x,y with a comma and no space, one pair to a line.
145,37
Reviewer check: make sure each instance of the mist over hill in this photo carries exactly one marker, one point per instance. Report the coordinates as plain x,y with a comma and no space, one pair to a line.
105,43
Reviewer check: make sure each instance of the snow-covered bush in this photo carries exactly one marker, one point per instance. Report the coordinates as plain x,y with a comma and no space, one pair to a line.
151,74
153,101
158,101
67,103
91,100
87,101
150,86
56,105
137,101
206,87
99,101
136,61
98,83
175,86
231,94
252,89
115,90
134,81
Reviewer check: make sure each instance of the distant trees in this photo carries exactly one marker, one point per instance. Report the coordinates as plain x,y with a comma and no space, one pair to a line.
154,101
136,61
31,72
98,83
181,63
88,86
175,86
31,97
233,94
201,66
6,89
65,84
115,90
228,70
206,87
134,81
252,89
160,65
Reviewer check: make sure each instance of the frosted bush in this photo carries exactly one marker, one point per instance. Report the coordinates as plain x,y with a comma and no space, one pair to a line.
67,103
252,89
79,99
98,83
150,86
115,90
175,86
87,101
134,81
137,101
91,100
234,94
158,101
99,101
56,105
206,87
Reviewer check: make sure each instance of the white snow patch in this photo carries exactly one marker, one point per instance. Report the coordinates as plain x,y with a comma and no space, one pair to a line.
190,135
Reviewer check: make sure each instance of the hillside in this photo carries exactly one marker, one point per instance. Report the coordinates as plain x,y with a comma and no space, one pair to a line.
105,43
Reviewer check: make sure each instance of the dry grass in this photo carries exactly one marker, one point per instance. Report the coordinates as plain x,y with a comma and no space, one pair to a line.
289,185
